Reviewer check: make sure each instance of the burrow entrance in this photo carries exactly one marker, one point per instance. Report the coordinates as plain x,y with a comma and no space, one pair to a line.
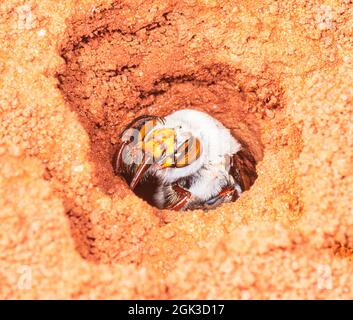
120,64
114,73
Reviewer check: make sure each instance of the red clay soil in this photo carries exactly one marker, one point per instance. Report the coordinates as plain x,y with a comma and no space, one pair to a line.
279,74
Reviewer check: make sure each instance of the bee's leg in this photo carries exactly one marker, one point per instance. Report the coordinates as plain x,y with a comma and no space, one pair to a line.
228,191
183,195
243,169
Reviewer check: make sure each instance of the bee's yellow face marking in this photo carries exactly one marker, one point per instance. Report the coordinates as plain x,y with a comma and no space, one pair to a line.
161,145
160,142
146,128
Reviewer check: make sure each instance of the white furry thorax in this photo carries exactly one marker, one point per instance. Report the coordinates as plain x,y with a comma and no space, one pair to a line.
216,141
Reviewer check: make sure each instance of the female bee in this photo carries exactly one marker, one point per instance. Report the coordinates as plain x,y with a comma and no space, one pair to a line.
195,159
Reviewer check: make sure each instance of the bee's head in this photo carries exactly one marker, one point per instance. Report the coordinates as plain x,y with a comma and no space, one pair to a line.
162,149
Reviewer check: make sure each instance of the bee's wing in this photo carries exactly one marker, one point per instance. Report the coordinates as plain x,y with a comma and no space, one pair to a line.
243,168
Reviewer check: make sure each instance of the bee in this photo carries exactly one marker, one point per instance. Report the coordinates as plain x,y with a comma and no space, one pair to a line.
195,160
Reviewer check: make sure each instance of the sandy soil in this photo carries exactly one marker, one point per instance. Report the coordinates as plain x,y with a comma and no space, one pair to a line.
279,74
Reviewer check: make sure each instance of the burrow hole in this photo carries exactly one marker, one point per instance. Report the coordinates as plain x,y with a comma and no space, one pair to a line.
116,71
